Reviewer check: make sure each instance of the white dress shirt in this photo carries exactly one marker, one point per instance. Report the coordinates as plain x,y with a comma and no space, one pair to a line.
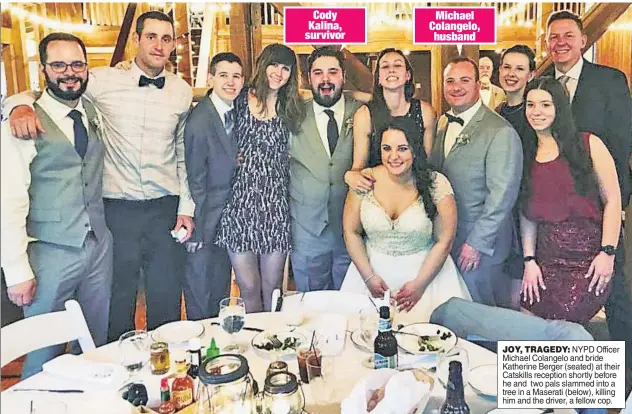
486,95
573,74
143,133
454,129
16,156
322,119
221,107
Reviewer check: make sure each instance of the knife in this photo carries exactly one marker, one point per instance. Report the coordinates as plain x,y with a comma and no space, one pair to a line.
245,328
47,390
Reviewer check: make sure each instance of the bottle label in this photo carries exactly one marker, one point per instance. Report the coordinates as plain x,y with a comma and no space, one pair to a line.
182,398
384,325
385,362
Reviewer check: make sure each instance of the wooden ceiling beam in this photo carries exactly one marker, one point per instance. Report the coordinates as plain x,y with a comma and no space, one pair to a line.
126,28
596,22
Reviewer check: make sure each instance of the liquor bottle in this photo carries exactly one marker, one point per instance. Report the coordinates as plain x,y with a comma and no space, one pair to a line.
195,355
166,406
385,344
182,388
455,397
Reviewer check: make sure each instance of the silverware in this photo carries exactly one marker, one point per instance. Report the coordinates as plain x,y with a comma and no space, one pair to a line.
245,328
49,390
302,297
425,337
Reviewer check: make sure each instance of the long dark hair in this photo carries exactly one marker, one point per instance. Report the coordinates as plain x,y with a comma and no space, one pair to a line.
289,105
569,141
380,114
422,172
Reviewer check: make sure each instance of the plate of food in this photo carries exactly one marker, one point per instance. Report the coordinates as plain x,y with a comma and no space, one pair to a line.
178,332
425,339
281,345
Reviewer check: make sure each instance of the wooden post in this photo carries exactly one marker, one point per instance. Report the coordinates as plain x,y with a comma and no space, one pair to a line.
239,39
256,36
19,57
440,56
205,47
126,28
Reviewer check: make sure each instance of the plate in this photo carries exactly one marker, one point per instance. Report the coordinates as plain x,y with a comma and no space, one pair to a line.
410,343
178,332
262,338
359,342
484,379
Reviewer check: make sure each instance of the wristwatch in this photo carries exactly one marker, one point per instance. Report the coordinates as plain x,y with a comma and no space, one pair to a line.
609,250
528,258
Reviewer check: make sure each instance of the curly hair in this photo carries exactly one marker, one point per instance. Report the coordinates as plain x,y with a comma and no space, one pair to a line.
423,174
289,105
568,139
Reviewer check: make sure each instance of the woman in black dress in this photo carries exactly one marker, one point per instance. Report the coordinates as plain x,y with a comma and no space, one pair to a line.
393,90
255,224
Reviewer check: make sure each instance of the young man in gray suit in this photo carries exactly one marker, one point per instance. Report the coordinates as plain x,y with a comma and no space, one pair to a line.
55,244
211,155
320,154
481,154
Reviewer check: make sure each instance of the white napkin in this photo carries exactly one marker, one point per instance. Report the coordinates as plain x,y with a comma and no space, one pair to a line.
75,367
406,360
401,394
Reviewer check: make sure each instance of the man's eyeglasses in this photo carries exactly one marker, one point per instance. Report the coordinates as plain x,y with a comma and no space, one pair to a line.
60,67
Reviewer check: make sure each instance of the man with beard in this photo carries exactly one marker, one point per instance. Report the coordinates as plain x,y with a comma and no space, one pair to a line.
144,182
52,198
320,154
491,95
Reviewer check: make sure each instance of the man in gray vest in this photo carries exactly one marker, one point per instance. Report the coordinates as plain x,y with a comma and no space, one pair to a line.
320,154
55,244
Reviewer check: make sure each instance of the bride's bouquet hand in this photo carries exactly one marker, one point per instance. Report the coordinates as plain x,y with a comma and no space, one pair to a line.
377,286
408,296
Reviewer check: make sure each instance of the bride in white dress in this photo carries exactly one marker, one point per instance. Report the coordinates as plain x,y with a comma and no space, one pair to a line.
400,251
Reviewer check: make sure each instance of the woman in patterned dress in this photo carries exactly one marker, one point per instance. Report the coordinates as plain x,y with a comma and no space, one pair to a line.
393,90
255,223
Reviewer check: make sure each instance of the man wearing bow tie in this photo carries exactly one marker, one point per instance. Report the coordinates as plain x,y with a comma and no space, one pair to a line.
145,186
481,155
491,95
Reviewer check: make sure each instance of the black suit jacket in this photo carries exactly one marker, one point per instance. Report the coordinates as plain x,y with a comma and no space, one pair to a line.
210,156
602,106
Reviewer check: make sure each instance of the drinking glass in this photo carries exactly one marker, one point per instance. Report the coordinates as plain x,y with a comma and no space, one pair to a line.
369,320
320,371
134,351
232,315
443,365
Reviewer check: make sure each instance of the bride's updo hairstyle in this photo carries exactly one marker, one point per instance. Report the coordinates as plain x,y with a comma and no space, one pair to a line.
423,174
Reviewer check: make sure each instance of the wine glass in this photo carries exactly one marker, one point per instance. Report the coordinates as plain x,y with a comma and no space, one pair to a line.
232,315
369,320
443,365
134,351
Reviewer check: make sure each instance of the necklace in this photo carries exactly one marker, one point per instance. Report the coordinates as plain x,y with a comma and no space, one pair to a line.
514,109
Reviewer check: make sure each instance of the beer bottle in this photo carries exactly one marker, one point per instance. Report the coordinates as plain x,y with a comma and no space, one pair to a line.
385,344
455,396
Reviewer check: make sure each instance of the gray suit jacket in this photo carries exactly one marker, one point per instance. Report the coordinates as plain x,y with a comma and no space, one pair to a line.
211,160
317,187
485,170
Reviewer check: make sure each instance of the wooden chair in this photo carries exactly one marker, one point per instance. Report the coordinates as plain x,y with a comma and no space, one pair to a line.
36,332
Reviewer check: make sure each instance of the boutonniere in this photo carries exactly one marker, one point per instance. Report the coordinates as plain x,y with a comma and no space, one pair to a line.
97,122
348,125
462,139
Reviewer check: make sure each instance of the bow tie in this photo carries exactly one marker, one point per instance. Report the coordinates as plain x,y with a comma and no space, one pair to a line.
452,118
486,88
144,81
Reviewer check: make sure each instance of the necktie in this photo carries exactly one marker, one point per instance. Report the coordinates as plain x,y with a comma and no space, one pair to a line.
563,80
158,82
229,122
452,118
332,131
81,134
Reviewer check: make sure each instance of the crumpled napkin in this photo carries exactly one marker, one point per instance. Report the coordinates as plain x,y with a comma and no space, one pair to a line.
75,367
402,393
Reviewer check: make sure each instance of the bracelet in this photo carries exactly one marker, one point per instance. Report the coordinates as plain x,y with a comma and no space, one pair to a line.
368,278
529,258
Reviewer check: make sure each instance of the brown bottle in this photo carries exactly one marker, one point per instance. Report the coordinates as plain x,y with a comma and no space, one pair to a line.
166,406
182,387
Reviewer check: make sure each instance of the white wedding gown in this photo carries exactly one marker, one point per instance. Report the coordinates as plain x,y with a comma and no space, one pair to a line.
397,249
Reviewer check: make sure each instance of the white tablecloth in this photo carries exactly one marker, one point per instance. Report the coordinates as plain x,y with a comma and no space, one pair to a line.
348,370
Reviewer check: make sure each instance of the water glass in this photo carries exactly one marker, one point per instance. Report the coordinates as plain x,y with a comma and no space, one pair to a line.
134,350
443,365
369,320
302,354
320,372
232,315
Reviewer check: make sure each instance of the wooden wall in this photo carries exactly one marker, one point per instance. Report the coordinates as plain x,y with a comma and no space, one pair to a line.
615,46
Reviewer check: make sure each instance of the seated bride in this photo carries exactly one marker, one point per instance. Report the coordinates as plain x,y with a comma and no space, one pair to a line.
409,220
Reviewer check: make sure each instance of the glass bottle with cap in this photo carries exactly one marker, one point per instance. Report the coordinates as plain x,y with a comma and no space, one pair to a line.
226,386
281,395
182,389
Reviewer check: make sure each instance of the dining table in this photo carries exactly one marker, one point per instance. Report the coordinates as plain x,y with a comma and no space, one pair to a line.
348,368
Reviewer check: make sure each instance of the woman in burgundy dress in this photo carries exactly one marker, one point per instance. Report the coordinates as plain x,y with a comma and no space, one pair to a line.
571,211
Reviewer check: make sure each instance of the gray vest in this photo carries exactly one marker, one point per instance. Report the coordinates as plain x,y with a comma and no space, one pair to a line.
317,187
66,191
